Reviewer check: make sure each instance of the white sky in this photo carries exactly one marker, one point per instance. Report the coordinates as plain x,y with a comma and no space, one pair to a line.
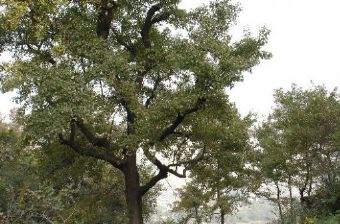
304,41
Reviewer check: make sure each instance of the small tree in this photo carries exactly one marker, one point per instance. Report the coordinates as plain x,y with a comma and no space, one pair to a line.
300,143
117,79
223,178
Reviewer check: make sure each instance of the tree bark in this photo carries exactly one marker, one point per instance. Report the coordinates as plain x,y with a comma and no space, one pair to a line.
132,191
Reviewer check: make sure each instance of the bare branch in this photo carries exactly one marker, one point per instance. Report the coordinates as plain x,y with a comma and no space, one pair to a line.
148,24
163,169
180,175
91,152
162,174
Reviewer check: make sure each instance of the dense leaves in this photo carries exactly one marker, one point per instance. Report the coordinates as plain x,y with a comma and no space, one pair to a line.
300,149
56,185
222,179
113,78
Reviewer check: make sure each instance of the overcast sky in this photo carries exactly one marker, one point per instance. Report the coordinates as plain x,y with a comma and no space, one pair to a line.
304,41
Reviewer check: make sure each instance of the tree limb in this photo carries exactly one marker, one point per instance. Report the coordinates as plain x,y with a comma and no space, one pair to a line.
130,116
149,21
105,17
153,92
163,169
196,159
180,117
128,45
97,153
162,174
44,55
95,141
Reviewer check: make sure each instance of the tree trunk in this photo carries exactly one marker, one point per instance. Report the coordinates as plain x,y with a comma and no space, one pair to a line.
198,218
132,193
221,208
290,196
278,198
222,216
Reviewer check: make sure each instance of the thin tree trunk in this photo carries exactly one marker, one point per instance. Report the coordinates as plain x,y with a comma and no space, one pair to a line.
278,197
198,218
290,195
222,216
132,192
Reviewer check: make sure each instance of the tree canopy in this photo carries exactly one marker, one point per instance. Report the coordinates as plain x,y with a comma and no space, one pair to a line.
300,149
117,80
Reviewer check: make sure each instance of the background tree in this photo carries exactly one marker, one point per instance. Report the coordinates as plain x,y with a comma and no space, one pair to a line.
276,167
117,79
300,143
223,178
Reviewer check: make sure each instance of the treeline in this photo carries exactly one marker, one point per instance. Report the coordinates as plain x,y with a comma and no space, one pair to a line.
291,158
115,96
299,155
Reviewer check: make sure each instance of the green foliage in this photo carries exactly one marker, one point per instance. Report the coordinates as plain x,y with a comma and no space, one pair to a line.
223,178
117,79
299,149
57,185
200,65
332,219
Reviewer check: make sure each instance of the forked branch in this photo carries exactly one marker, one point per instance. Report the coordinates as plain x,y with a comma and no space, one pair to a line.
163,172
180,117
96,151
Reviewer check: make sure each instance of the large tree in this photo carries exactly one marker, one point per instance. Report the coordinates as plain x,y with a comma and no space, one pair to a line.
118,80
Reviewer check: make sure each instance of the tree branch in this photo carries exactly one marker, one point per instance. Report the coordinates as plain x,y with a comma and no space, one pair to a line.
130,116
95,141
196,159
44,55
163,169
149,21
105,17
153,92
180,117
128,45
97,153
162,174
145,32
